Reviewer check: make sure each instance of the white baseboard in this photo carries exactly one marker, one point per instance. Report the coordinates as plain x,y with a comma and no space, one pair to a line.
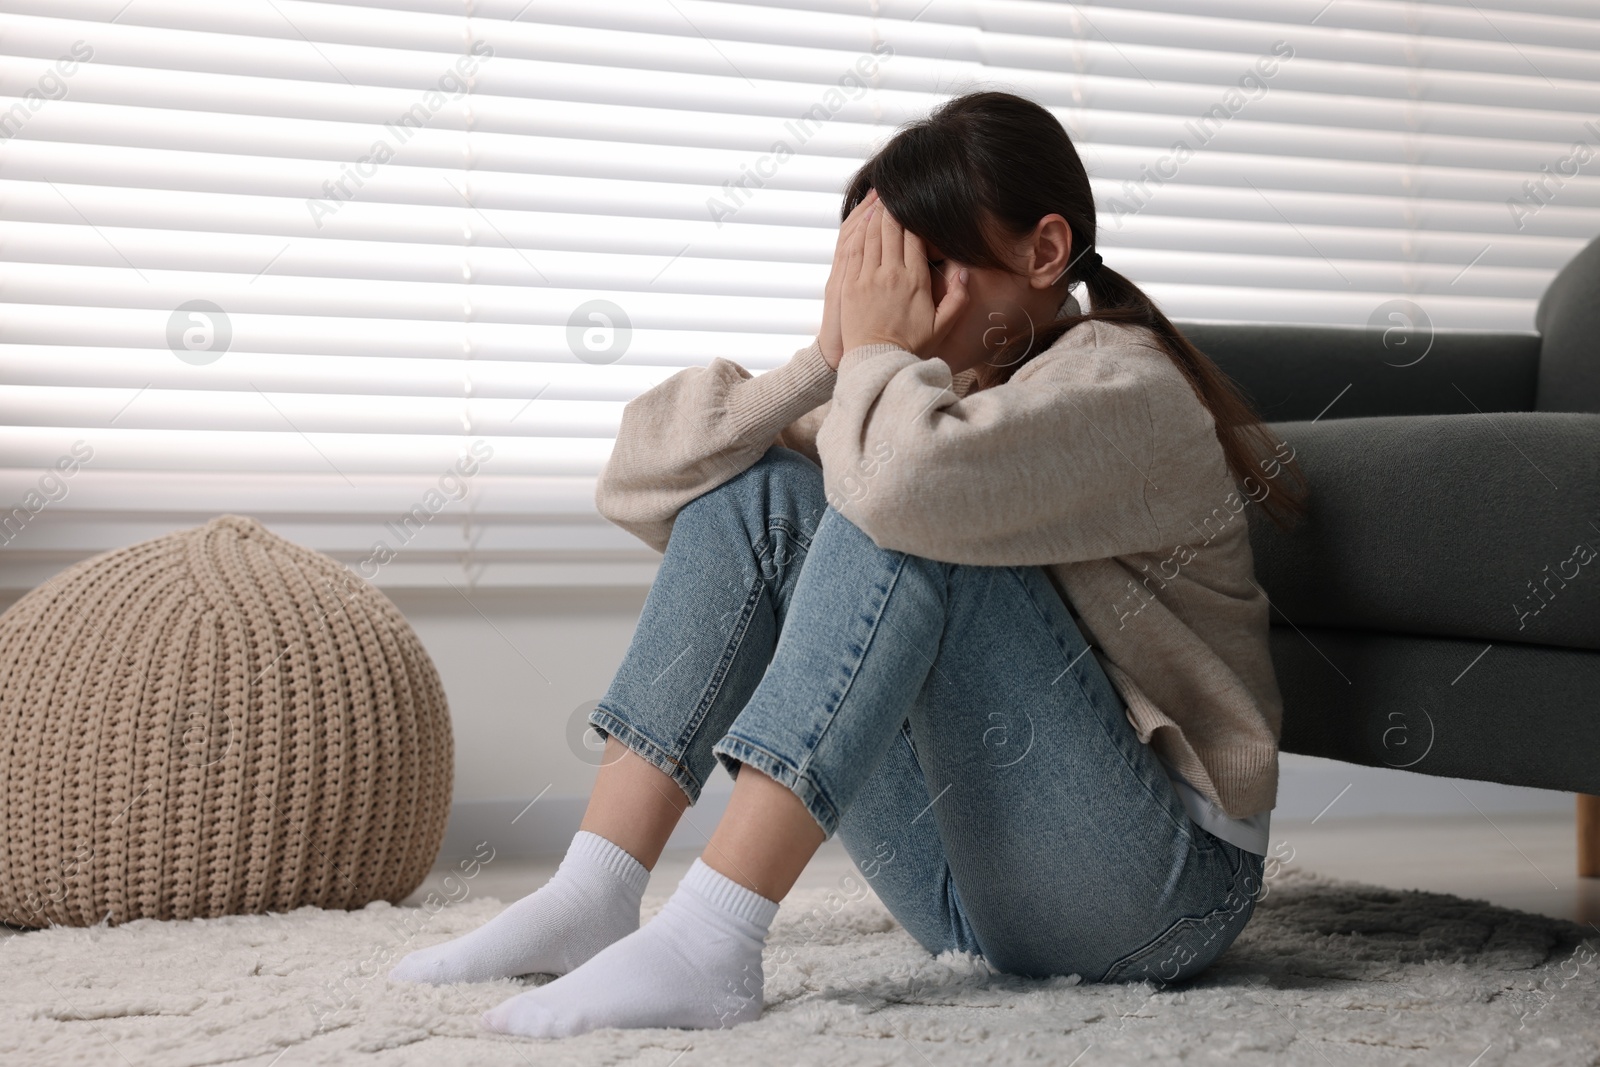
1312,788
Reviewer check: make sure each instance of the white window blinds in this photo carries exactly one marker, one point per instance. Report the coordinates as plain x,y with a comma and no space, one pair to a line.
383,274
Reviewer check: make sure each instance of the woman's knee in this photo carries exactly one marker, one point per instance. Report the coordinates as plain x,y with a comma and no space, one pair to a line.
797,475
782,483
780,470
781,463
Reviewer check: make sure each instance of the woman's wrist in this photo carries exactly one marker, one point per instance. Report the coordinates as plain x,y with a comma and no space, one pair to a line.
833,357
857,353
775,398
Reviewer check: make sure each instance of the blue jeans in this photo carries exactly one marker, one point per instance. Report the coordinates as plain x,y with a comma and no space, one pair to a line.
945,720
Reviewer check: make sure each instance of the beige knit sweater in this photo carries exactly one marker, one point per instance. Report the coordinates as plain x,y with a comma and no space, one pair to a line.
1096,461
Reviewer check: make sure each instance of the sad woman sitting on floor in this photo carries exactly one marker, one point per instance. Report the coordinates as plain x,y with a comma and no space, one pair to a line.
965,582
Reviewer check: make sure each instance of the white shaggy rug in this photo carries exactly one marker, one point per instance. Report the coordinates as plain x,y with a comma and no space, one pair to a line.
1327,973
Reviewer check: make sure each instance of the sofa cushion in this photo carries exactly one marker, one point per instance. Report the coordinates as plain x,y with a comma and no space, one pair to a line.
1568,318
1519,714
1472,526
1298,372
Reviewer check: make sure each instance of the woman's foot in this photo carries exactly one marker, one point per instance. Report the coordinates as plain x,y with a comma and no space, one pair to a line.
590,902
696,965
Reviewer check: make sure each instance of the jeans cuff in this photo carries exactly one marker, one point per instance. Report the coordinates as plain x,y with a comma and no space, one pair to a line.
645,748
735,750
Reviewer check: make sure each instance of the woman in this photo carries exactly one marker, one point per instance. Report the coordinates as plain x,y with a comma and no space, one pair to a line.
886,565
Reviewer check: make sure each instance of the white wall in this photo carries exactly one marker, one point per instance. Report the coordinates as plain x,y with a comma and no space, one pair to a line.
518,664
520,667
511,724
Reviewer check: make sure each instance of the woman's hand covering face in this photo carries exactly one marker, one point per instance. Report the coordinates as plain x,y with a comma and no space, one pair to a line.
886,295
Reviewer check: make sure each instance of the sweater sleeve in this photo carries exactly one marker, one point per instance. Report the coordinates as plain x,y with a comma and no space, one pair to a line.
1049,467
697,429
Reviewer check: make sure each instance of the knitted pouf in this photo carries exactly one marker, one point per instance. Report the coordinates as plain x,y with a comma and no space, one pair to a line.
209,723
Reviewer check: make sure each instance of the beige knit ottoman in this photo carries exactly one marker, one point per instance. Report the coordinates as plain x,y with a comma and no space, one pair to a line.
209,723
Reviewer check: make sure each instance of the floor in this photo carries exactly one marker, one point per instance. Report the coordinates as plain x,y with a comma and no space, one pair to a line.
1523,861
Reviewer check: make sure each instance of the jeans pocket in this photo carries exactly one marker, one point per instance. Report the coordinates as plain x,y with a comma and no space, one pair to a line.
1193,942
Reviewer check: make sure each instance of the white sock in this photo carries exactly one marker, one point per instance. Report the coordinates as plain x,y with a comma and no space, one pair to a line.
591,901
697,965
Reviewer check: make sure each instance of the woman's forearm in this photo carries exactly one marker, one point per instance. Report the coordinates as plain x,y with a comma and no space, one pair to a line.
696,430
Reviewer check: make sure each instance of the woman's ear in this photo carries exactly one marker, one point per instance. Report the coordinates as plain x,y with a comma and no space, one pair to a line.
1049,251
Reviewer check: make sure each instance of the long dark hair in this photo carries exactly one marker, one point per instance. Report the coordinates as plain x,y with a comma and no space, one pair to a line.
992,159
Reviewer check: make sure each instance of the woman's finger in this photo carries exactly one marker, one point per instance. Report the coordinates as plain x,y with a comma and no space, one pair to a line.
893,240
872,246
955,298
855,252
853,219
852,226
905,249
841,246
902,245
859,212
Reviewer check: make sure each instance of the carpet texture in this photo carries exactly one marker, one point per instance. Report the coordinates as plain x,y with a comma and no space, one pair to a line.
1327,973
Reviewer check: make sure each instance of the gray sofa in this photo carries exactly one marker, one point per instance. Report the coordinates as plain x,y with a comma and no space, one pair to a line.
1439,610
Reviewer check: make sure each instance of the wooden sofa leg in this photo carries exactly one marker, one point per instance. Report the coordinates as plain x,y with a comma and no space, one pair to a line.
1588,836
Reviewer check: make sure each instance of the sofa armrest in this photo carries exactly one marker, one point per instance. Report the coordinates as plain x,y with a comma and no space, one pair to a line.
1568,318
